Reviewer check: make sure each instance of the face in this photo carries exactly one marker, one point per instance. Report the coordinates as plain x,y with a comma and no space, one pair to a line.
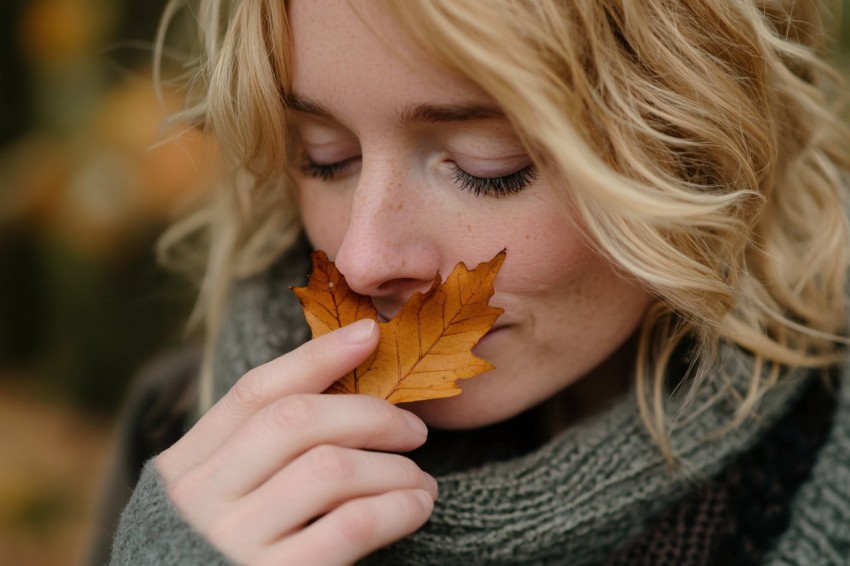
408,168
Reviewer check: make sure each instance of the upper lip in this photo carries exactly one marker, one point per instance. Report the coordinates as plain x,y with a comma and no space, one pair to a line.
386,310
384,318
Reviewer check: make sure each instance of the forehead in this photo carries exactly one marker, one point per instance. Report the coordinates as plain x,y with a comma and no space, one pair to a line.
353,57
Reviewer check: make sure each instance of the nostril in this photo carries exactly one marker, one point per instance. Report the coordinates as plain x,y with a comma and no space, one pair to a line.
387,307
404,285
380,268
389,296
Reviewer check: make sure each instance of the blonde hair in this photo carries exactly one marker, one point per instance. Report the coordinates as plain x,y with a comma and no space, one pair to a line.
696,141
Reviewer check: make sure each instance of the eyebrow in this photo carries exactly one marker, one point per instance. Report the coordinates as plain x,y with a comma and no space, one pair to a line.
417,114
438,113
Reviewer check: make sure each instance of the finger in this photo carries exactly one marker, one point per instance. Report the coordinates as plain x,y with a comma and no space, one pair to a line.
311,368
355,529
281,432
316,483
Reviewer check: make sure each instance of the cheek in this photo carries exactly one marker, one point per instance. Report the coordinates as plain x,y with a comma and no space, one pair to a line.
554,278
546,254
325,219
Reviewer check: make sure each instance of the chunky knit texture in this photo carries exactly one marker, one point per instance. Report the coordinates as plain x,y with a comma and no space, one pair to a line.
820,527
736,517
579,498
153,532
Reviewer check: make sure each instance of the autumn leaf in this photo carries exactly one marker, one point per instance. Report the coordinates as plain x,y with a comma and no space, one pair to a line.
426,347
327,300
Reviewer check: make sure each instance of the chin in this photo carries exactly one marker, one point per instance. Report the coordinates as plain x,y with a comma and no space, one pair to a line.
479,405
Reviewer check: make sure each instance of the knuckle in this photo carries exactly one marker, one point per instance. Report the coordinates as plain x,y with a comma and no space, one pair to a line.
251,391
296,413
330,463
408,472
412,506
385,412
184,491
389,422
385,416
358,523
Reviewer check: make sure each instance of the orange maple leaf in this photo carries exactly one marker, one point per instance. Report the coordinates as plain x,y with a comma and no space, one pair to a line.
426,347
328,301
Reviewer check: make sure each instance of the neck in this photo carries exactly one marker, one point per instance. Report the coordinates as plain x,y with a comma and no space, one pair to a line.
591,393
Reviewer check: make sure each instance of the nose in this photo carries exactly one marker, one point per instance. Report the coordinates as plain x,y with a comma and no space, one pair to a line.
388,250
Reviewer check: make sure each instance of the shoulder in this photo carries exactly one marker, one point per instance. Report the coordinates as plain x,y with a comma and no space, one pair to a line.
818,530
156,413
159,406
765,506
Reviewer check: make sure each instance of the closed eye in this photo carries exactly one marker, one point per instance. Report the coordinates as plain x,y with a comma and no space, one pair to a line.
501,186
494,186
325,172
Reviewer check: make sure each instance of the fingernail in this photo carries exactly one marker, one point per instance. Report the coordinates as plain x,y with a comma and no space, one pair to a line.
357,332
415,423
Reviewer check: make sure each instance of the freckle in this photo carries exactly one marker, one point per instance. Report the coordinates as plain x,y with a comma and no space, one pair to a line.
527,236
469,228
403,262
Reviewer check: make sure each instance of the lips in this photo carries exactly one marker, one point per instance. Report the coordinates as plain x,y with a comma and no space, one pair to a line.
491,333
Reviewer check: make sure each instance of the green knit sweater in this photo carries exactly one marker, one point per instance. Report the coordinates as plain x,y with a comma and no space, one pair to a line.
597,493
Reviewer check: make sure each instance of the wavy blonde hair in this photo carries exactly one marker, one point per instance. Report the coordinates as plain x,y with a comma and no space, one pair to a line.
696,138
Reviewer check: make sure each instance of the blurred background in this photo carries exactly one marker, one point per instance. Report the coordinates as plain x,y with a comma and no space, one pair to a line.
87,182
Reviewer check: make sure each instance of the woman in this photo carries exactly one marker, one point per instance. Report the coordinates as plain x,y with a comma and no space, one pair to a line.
667,179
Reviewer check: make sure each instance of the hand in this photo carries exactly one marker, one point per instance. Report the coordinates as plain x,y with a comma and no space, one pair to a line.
276,473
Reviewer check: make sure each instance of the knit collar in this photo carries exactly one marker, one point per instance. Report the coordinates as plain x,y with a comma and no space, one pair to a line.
572,500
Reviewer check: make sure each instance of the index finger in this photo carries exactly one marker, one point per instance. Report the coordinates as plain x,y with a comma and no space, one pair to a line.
311,368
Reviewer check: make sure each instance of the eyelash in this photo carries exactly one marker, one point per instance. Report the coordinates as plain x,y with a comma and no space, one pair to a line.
495,186
324,172
478,186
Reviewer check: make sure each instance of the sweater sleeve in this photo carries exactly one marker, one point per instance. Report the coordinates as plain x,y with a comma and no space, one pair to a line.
151,530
